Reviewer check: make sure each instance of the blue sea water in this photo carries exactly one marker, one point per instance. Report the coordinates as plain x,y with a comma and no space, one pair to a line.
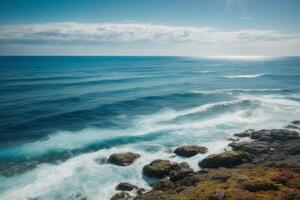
60,117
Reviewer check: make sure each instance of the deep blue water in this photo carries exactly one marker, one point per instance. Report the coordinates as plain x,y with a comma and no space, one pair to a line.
61,115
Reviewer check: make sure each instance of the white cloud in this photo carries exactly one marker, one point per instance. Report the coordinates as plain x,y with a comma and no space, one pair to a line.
134,32
131,38
247,18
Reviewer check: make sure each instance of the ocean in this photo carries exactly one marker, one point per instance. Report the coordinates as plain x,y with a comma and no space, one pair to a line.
61,117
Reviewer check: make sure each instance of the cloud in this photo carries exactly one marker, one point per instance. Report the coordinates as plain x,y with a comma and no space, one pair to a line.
247,18
69,32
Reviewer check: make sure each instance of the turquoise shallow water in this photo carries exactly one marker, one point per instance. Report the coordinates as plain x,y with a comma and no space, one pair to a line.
60,116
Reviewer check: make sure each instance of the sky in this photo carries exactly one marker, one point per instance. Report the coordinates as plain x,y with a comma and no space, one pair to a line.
150,27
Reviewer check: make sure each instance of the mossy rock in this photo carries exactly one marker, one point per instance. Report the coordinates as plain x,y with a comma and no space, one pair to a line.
255,185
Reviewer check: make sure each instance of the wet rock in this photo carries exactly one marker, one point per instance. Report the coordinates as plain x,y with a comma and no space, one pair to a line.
294,150
179,170
273,135
164,184
255,185
157,168
123,159
234,139
125,186
246,133
140,191
297,122
179,174
80,196
292,127
121,196
190,150
251,147
226,159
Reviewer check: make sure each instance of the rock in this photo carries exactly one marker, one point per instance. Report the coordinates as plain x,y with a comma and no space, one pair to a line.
140,191
123,159
179,171
218,195
221,177
179,174
190,150
292,127
121,196
297,122
290,194
184,165
283,177
80,196
246,133
251,147
294,150
164,184
189,180
157,169
254,185
226,159
125,186
234,139
272,135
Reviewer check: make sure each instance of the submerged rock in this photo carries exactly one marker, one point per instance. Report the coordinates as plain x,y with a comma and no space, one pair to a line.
225,159
125,186
157,168
123,159
190,150
80,196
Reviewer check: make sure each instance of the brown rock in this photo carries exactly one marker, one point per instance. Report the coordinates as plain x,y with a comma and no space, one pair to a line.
190,150
121,196
123,159
271,135
125,186
226,159
164,184
254,185
157,169
179,171
251,147
218,195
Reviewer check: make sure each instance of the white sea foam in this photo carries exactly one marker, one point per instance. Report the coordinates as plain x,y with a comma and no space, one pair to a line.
206,71
244,76
235,90
97,181
157,122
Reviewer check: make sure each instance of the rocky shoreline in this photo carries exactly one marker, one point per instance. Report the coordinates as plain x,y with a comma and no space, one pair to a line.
266,167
